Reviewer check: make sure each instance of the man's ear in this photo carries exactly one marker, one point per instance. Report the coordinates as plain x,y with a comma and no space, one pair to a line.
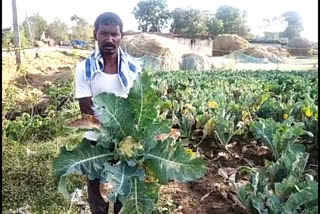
95,34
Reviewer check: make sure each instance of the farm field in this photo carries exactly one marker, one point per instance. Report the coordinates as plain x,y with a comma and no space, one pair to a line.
257,130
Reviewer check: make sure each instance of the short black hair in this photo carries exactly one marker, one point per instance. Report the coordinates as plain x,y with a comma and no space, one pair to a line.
108,18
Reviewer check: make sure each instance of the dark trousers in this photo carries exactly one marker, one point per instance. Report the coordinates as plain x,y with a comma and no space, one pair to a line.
96,202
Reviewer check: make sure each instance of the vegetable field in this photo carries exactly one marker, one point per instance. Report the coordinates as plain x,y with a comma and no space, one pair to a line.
257,132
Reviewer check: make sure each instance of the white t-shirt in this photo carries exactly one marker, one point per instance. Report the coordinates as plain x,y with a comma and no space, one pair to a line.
101,82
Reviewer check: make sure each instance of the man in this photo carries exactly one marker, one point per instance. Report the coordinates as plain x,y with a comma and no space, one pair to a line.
108,69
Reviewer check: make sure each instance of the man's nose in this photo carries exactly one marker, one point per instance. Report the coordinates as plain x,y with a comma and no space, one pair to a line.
109,38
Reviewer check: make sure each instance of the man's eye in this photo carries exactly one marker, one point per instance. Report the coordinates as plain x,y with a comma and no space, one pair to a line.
114,34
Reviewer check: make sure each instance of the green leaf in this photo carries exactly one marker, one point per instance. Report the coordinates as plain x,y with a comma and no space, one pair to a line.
85,159
113,111
258,204
298,199
170,162
265,130
141,199
150,131
143,101
109,138
187,122
119,176
274,204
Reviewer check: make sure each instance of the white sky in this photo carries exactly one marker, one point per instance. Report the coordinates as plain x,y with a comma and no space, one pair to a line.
257,10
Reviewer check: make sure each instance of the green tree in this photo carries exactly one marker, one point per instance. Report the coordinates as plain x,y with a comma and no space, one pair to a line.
58,30
7,38
38,25
152,15
215,27
191,23
234,20
295,25
81,30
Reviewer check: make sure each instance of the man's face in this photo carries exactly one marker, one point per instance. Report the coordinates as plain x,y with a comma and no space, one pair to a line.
108,37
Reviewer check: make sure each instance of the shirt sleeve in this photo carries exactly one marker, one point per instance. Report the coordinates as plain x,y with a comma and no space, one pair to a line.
82,85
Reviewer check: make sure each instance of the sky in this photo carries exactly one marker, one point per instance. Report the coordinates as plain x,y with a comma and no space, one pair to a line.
256,9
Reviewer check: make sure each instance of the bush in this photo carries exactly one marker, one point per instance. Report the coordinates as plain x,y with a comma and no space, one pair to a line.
299,46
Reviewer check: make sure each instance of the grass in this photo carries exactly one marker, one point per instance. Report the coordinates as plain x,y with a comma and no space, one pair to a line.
28,177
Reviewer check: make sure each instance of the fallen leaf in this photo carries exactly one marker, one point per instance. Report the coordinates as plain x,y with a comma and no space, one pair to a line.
86,121
222,154
105,189
223,172
174,134
245,149
206,195
263,150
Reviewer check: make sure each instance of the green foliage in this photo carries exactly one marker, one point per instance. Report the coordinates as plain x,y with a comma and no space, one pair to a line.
81,30
120,177
281,187
278,136
38,26
30,126
8,39
215,27
58,30
152,15
234,20
129,128
141,198
234,100
190,22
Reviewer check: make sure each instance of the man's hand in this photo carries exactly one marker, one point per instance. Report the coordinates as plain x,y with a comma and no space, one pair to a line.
85,105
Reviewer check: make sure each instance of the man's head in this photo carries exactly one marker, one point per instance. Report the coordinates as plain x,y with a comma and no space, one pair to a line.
108,32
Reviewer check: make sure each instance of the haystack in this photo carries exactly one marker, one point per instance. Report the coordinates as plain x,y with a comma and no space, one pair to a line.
156,51
198,62
314,52
40,44
299,46
257,51
271,54
280,52
227,43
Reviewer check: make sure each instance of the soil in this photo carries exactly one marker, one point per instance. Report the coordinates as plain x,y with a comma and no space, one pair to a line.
214,193
35,76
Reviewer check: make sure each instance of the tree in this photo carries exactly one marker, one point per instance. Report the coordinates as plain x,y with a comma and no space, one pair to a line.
215,27
234,20
7,38
191,23
295,26
152,15
38,26
82,30
58,30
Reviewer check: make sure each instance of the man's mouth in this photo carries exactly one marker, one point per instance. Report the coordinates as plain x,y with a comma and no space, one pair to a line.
109,47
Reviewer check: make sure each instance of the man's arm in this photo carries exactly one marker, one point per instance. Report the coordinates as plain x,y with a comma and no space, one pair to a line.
85,105
82,90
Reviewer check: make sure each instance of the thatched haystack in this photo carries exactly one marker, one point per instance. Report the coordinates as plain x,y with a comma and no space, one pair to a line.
226,43
157,51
